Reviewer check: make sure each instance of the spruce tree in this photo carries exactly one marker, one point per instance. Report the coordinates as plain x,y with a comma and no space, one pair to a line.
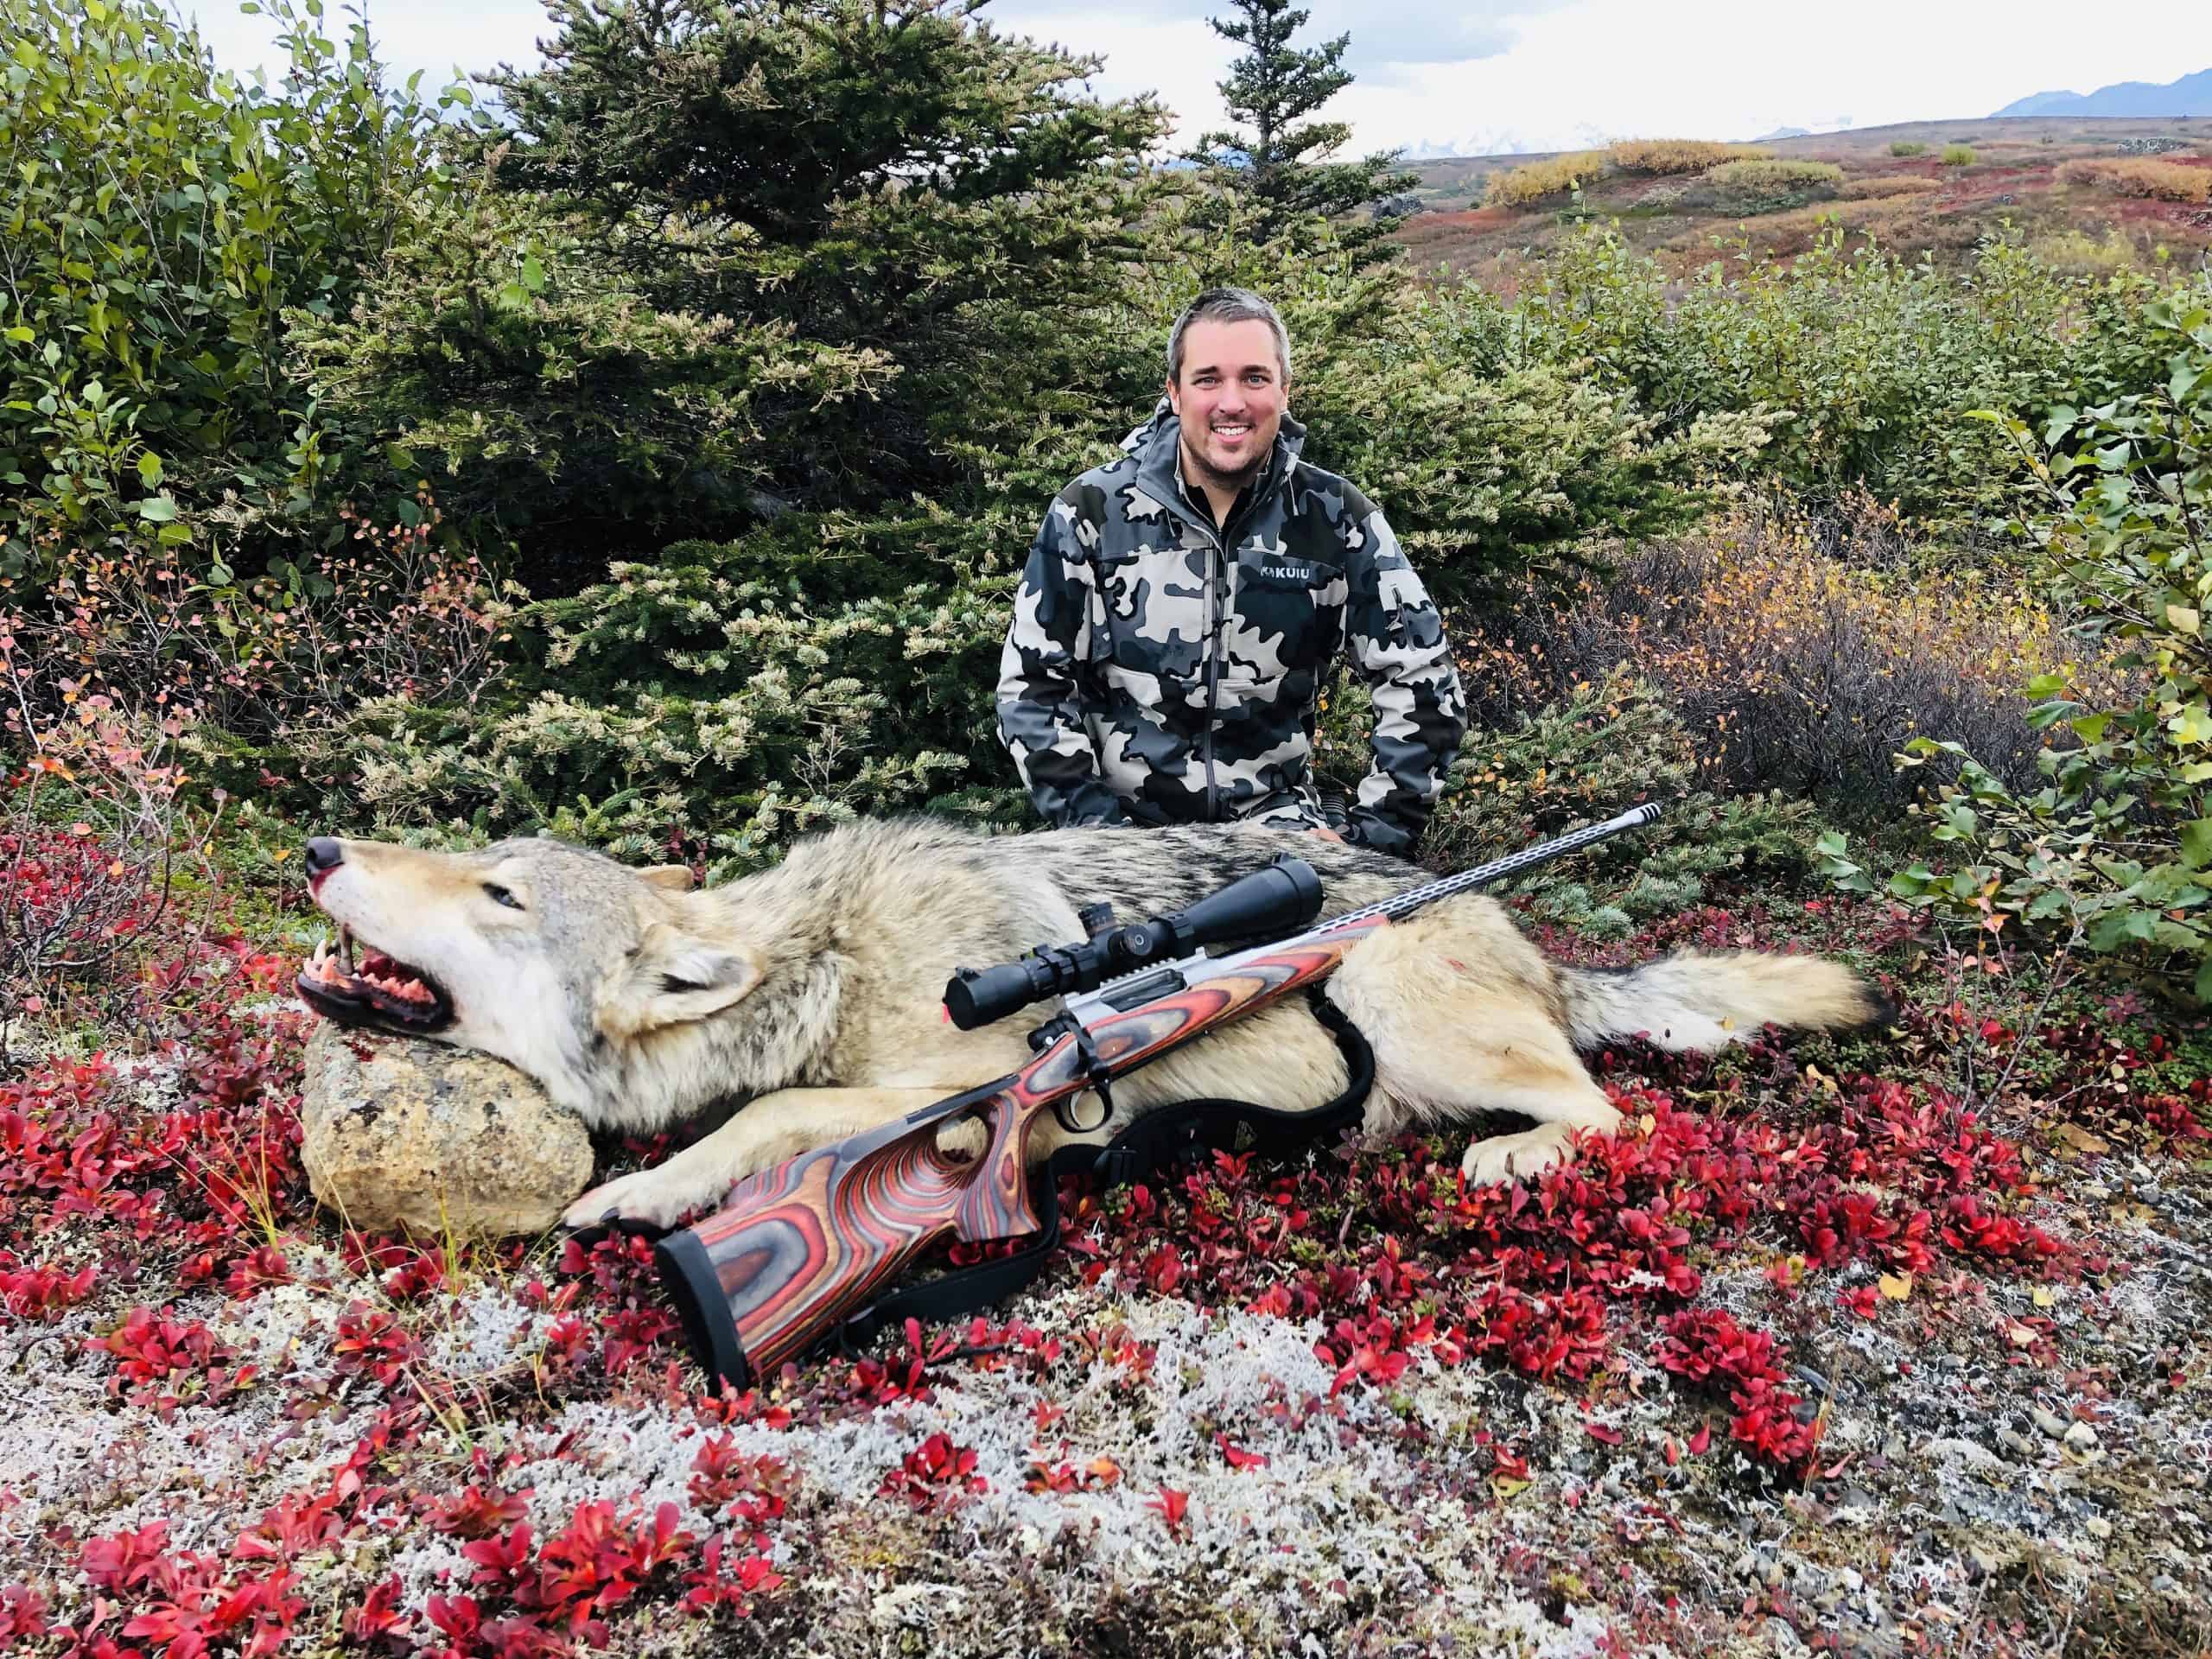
1281,166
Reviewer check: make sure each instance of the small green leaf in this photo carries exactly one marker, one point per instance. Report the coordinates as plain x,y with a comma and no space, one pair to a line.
2196,843
149,470
533,275
157,509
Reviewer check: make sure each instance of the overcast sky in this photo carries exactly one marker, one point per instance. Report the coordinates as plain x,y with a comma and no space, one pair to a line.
1481,75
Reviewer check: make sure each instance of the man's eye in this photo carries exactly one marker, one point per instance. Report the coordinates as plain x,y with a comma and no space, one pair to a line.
500,896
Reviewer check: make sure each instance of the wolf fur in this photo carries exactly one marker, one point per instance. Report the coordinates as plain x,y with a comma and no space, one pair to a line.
811,992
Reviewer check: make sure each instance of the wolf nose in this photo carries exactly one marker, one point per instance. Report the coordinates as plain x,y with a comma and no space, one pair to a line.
323,853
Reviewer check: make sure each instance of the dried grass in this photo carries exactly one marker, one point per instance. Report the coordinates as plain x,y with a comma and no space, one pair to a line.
1791,665
1671,156
2140,177
1519,186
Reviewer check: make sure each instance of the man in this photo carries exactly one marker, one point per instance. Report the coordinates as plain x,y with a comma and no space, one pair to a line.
1183,604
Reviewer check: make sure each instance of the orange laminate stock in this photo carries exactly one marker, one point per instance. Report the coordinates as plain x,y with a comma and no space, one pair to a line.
797,1250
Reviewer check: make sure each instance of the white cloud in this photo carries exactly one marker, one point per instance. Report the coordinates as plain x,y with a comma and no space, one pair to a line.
1529,73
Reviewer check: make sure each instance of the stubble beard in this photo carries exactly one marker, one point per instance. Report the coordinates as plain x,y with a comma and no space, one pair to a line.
1196,469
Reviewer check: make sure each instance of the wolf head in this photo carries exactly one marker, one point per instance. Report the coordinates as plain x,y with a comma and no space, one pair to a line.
568,965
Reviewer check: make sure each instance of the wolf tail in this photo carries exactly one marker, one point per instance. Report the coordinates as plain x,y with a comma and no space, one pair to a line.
1707,1000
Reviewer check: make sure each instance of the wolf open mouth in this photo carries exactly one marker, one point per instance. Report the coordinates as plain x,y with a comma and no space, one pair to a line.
379,991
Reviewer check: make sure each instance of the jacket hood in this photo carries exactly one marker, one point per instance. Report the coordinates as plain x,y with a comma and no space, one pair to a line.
1155,441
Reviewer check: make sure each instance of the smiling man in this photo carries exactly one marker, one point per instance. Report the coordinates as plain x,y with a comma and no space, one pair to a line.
1184,603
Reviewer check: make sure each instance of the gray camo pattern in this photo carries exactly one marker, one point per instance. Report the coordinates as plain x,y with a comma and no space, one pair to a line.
1158,672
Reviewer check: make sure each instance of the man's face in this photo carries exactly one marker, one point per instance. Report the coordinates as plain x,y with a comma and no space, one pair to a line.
1229,397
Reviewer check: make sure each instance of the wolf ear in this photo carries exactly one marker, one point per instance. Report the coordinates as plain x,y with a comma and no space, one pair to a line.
674,977
673,878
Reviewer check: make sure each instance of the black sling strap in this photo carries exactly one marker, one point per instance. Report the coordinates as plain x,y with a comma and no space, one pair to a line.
1163,1136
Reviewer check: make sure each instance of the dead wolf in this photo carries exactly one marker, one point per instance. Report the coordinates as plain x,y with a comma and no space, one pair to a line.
810,991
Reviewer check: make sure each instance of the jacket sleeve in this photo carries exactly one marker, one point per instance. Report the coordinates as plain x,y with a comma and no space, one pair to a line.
1039,698
1396,639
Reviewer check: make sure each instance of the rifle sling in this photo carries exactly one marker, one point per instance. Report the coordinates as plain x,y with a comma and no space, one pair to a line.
1164,1135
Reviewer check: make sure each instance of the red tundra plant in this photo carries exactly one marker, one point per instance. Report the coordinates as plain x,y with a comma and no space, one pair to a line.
595,1563
160,1361
935,1475
1708,1345
179,1605
39,1293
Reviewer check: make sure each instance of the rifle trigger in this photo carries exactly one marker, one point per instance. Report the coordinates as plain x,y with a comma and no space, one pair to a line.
1097,1073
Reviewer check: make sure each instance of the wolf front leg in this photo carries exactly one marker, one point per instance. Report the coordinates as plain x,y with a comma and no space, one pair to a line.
765,1132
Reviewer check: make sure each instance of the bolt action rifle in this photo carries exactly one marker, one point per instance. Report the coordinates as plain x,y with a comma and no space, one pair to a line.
800,1252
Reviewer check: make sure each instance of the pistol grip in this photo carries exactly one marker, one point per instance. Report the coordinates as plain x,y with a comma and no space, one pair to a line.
995,1202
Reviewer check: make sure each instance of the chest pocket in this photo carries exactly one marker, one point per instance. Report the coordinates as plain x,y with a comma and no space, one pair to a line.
1289,612
1151,615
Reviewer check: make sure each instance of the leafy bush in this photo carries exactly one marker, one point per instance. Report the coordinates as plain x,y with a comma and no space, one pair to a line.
1768,187
717,701
1956,155
1864,365
1532,181
1908,147
1787,666
1672,155
1601,745
1894,184
2117,844
2140,177
165,216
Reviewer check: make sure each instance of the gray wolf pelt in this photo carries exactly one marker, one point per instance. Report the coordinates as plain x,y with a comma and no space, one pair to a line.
810,993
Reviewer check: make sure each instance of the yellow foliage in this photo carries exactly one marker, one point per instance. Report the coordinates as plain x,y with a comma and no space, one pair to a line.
1554,176
2141,176
1771,175
1665,155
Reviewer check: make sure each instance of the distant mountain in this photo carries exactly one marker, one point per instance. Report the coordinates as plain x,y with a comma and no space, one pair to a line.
1783,132
2190,95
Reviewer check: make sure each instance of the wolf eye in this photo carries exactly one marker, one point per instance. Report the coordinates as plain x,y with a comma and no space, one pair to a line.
501,896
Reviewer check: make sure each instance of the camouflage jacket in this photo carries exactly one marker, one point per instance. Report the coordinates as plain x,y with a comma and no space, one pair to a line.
1159,671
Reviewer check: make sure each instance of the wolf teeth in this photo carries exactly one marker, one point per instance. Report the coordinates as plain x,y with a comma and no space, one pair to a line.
346,950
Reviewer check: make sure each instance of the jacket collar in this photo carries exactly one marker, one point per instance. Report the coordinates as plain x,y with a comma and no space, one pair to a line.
1156,443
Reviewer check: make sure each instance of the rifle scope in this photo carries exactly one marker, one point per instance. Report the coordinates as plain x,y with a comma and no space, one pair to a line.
1279,900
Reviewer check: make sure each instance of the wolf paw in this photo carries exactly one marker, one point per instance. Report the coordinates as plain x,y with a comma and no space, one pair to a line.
647,1195
1498,1159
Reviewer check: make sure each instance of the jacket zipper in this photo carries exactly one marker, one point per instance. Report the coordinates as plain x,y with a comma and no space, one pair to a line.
1215,578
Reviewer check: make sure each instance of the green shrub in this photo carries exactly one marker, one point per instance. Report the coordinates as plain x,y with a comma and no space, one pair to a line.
1908,147
2117,844
714,701
164,217
1956,155
1605,745
1864,365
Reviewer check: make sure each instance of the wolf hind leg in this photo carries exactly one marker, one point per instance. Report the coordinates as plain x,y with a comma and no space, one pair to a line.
1459,1026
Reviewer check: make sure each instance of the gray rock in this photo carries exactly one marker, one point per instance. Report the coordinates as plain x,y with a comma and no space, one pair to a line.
400,1132
2080,1437
2049,1422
